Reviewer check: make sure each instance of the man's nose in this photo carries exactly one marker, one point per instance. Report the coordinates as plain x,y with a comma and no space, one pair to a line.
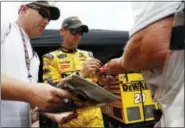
77,35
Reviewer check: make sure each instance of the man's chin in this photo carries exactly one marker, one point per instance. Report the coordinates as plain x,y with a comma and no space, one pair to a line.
38,34
75,44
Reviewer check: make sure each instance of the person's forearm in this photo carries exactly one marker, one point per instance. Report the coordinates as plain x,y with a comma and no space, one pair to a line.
136,60
149,47
12,89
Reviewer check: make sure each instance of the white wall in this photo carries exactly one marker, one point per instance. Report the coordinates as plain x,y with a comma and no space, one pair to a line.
97,15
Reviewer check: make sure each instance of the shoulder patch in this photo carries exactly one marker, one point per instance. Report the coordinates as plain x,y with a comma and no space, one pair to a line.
49,56
90,54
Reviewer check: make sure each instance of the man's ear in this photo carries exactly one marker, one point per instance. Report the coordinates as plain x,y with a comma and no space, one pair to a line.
62,31
22,8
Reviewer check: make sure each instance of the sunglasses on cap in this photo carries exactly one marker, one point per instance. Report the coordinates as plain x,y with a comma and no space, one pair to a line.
42,11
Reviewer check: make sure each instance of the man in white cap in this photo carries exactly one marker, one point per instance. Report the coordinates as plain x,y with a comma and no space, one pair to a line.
20,64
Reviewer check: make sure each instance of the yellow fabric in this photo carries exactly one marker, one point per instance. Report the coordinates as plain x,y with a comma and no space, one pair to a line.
90,117
58,65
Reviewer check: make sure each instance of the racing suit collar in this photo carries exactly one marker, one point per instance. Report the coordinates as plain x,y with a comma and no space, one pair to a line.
68,50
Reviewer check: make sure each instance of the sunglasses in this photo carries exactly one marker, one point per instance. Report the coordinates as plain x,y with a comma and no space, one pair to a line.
42,11
75,31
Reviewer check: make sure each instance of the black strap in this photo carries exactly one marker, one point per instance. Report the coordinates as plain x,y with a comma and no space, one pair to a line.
26,54
177,41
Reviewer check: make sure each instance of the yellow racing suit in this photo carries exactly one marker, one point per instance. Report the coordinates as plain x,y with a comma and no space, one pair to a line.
58,65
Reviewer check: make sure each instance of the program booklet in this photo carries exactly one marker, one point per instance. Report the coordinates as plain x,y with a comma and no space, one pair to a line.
85,94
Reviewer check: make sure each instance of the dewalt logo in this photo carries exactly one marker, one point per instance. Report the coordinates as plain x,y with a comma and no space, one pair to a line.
134,86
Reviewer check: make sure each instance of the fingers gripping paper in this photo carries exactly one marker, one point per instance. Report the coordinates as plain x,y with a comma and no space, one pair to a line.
84,94
87,93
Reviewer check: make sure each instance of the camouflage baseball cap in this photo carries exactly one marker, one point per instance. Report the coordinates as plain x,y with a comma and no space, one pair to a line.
74,22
